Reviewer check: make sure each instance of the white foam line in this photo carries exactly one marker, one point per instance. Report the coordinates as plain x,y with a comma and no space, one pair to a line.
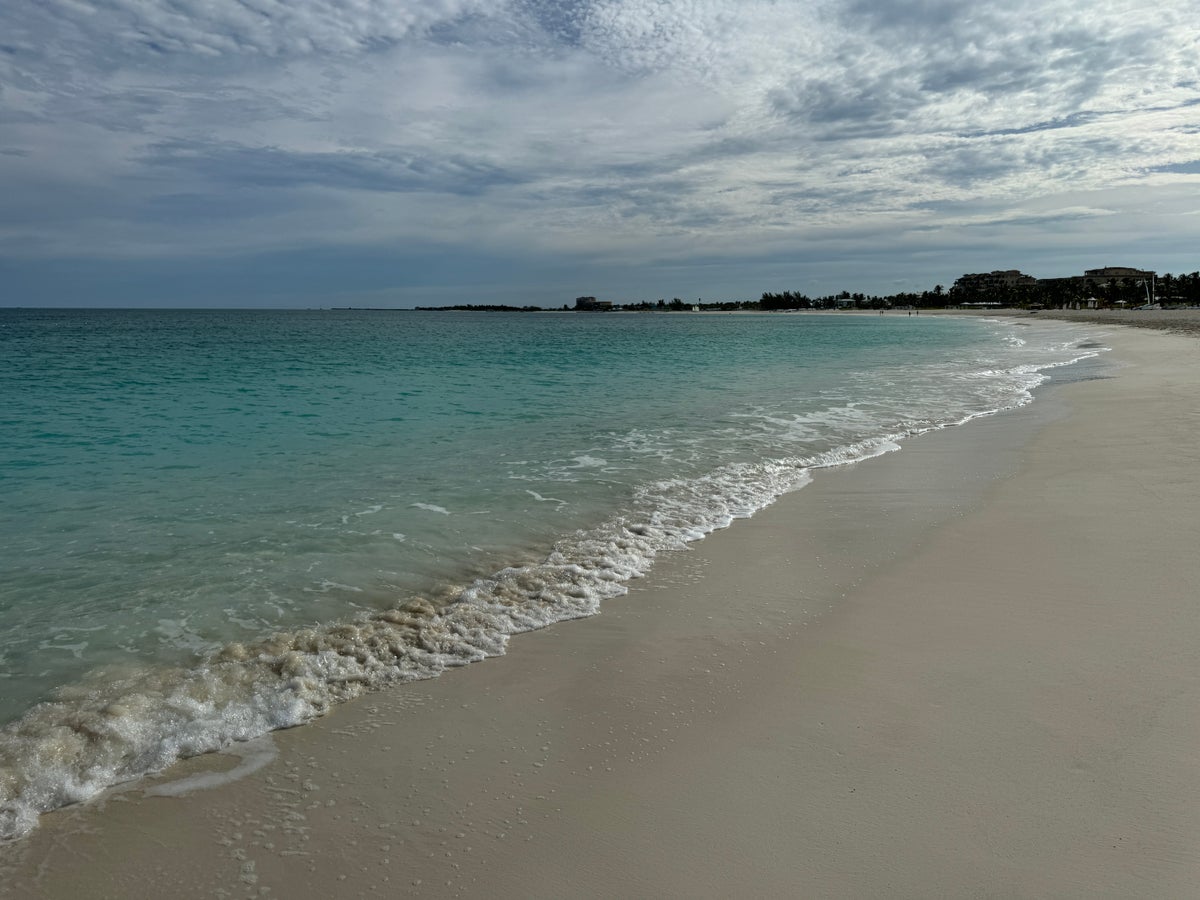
125,728
254,755
540,499
429,507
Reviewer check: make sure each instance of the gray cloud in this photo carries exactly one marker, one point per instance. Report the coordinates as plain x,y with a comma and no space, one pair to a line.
271,167
268,27
912,17
848,107
586,130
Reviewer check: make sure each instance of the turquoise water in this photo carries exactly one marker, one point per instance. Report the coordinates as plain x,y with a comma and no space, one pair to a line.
218,523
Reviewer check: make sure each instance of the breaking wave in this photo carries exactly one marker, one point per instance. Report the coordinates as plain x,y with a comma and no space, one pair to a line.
120,725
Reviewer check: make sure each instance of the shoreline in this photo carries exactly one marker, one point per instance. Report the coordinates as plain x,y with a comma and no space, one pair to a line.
1181,321
798,704
107,726
1184,321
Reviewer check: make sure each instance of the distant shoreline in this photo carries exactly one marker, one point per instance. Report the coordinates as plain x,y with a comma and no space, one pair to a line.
1184,321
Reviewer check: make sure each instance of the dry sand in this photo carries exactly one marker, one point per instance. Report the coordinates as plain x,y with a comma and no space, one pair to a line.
971,668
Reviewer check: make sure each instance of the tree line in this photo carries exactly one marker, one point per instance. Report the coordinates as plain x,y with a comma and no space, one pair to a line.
1168,289
1172,290
797,300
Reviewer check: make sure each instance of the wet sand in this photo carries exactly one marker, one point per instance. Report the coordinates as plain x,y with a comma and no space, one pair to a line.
1180,321
968,669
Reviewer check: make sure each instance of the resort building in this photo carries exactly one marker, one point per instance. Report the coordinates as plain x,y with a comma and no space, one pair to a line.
1106,286
1110,285
591,304
983,282
1117,273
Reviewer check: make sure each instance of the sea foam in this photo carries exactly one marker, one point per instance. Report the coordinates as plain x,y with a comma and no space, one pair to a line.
116,725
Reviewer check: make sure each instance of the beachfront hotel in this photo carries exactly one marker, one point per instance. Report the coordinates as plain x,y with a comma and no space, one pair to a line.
1108,286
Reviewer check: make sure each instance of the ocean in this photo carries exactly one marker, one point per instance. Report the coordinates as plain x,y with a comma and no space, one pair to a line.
214,524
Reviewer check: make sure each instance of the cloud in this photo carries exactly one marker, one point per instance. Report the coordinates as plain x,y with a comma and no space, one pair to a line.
269,167
269,27
587,132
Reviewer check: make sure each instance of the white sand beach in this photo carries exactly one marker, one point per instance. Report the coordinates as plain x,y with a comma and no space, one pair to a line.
970,668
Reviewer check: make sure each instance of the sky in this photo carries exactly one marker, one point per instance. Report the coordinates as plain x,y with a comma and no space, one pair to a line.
309,153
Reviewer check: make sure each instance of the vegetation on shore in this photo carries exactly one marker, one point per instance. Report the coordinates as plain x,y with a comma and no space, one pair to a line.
1055,293
484,307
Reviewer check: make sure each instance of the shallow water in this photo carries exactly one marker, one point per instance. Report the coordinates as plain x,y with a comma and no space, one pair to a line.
217,523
